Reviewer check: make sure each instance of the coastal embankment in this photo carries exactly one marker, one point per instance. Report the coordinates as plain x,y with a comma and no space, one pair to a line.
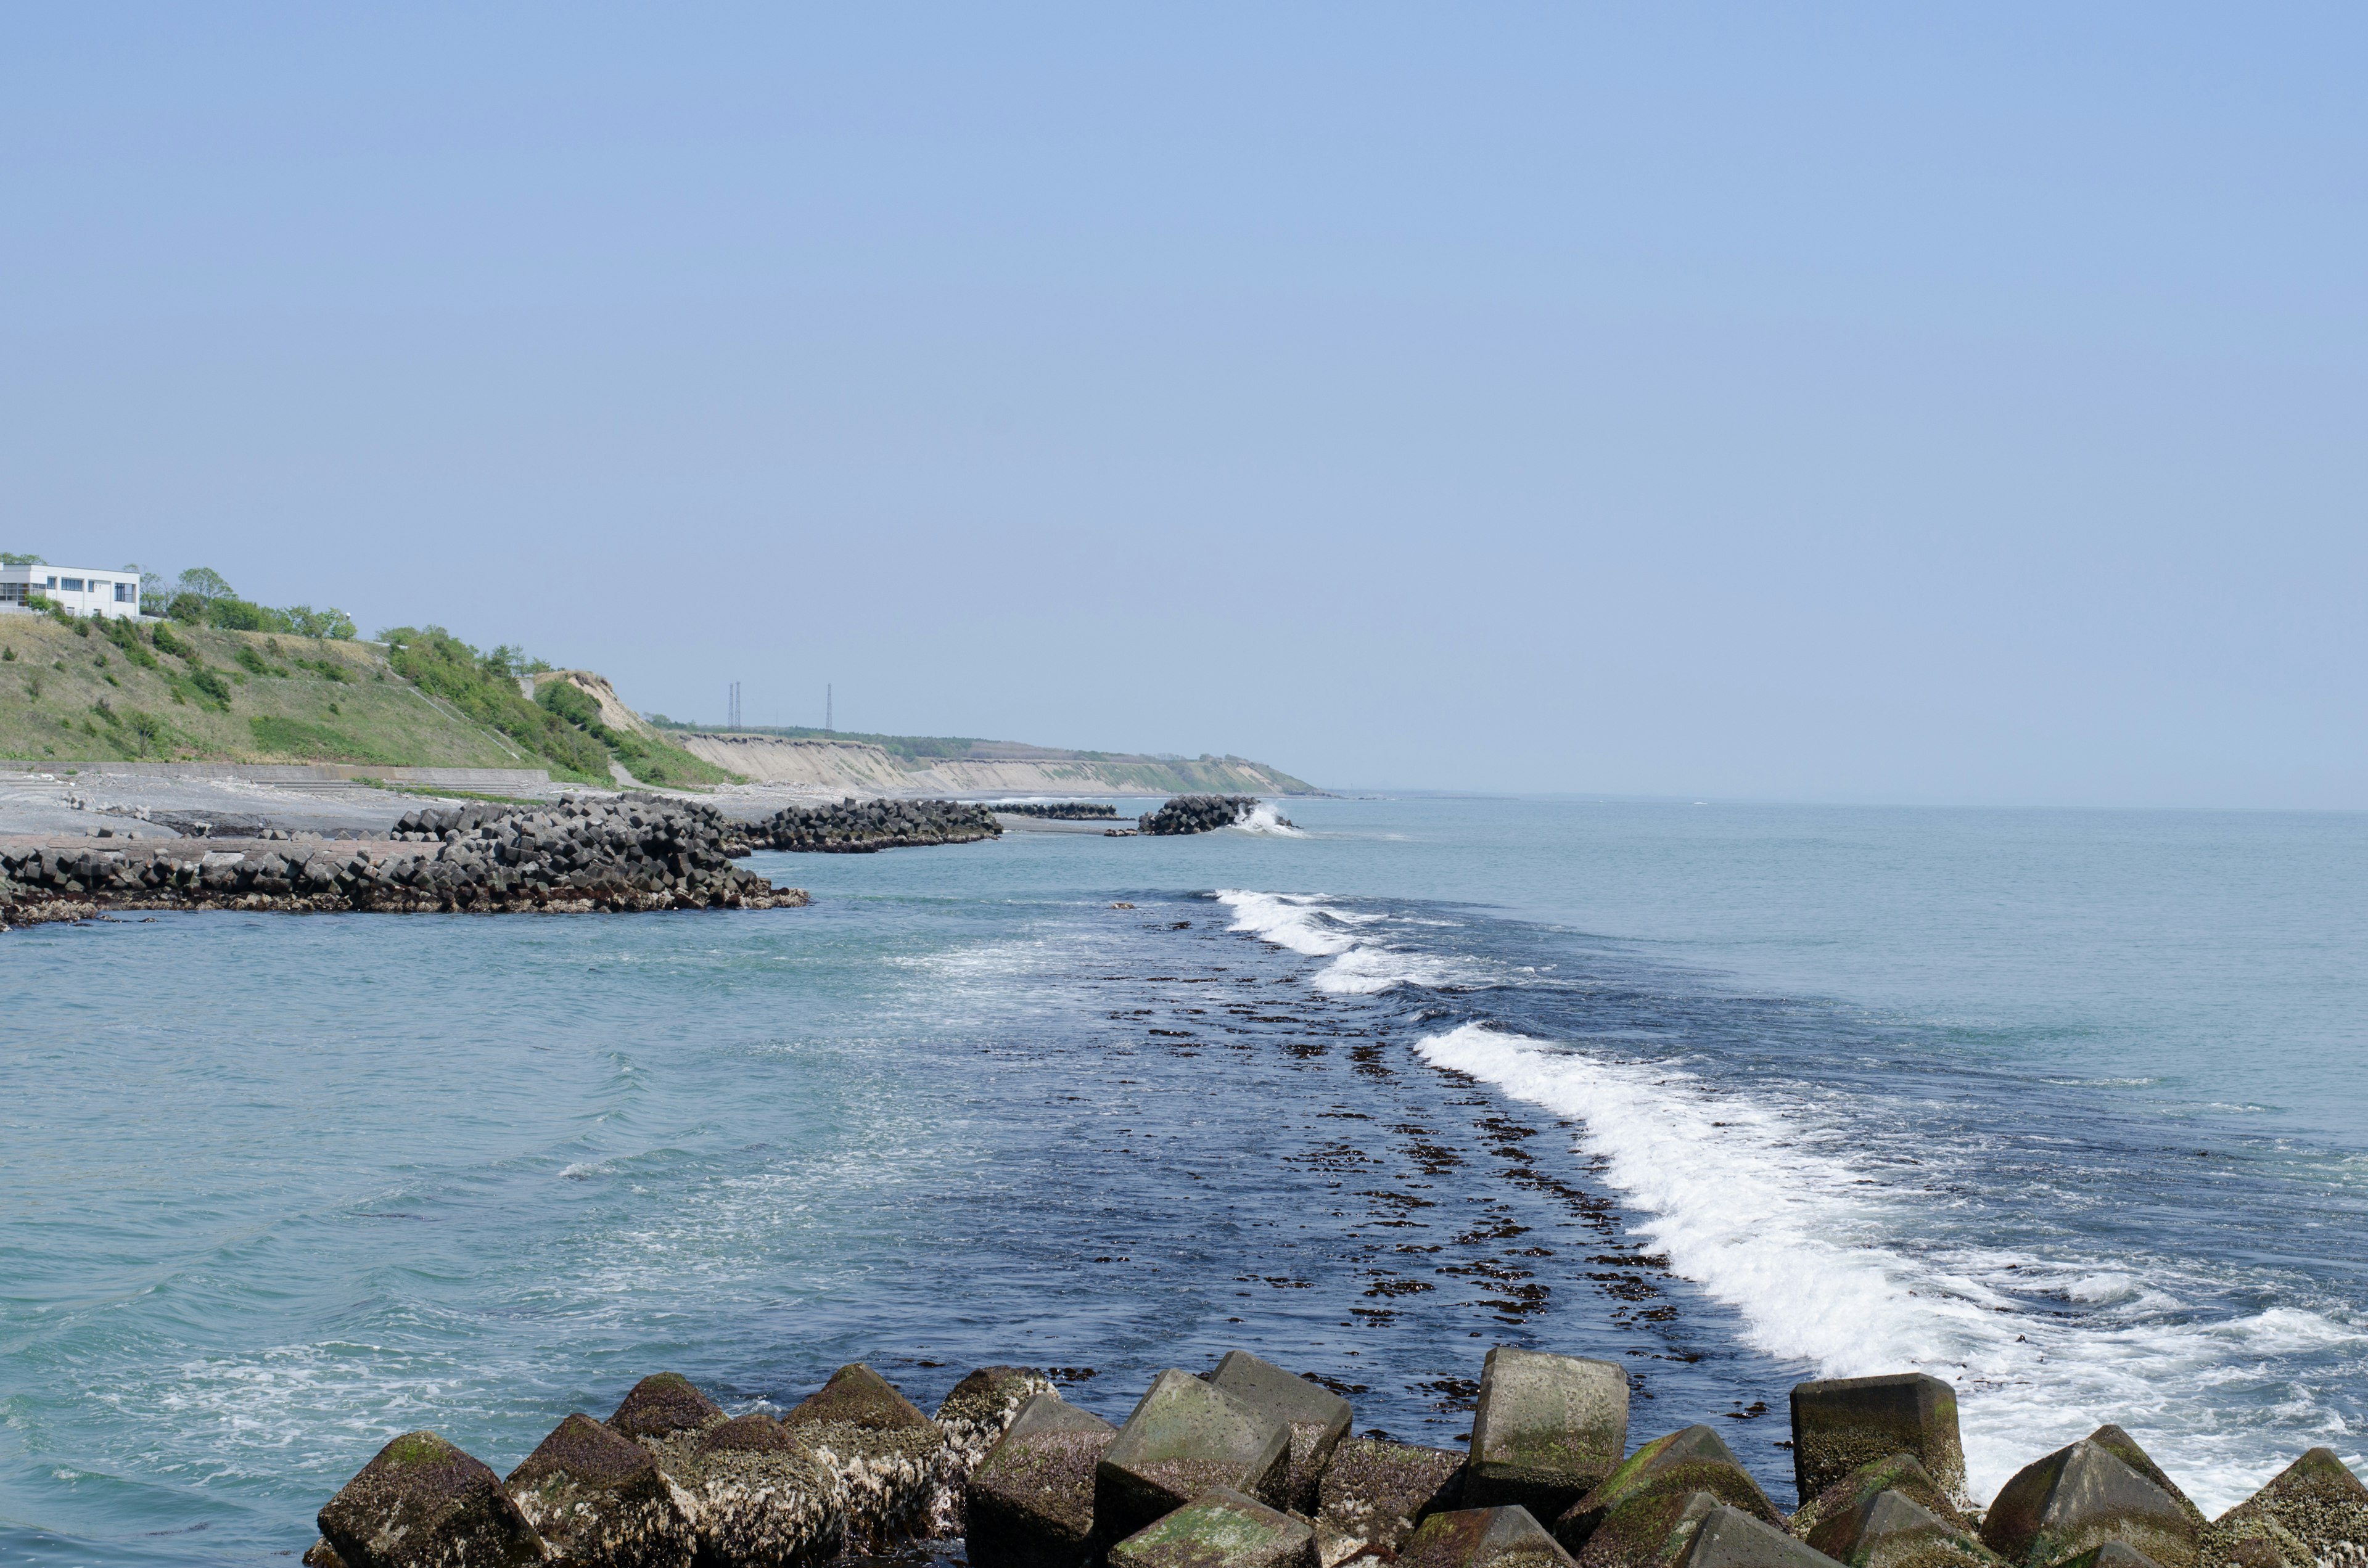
923,766
1250,1466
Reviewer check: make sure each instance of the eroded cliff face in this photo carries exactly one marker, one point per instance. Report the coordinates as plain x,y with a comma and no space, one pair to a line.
859,768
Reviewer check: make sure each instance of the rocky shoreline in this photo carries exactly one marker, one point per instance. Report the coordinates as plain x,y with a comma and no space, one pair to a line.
1251,1466
579,856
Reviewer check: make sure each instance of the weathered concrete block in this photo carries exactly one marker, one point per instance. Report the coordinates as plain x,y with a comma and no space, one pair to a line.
1729,1538
2125,1447
599,1500
1185,1438
1318,1418
759,1498
1547,1430
1373,1495
1030,1501
1220,1528
1508,1537
1840,1424
886,1457
1892,1472
1696,1460
973,1418
2317,1500
2079,1497
663,1404
422,1503
1891,1529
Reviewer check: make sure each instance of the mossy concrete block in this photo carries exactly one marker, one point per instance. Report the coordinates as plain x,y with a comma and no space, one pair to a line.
1316,1418
1891,1529
1506,1536
1220,1528
886,1458
1900,1473
2317,1500
1547,1430
2125,1447
2258,1540
663,1404
1729,1538
598,1500
1030,1501
1374,1493
1844,1423
1184,1438
2079,1497
422,1503
1695,1460
973,1418
758,1498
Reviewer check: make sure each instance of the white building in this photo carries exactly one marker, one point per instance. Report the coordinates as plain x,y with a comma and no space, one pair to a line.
81,589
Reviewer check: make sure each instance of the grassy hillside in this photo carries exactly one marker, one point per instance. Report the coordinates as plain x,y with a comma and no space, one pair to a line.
113,691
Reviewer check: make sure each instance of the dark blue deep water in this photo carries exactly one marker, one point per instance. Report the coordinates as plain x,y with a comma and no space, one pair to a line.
2071,1109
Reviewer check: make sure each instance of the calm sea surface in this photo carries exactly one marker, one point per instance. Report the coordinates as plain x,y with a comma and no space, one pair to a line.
2071,1109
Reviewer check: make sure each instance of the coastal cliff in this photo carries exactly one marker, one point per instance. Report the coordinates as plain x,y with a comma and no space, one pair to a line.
913,764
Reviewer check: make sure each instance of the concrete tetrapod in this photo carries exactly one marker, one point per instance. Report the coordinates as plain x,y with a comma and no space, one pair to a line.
1729,1538
760,1499
421,1503
599,1500
1220,1528
1316,1418
1375,1493
1894,1473
1508,1537
1030,1501
663,1404
2317,1500
1891,1529
973,1419
2079,1497
884,1456
1842,1424
1184,1438
1546,1431
1696,1460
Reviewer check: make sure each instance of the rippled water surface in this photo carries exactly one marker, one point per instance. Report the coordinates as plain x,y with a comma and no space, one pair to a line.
2070,1109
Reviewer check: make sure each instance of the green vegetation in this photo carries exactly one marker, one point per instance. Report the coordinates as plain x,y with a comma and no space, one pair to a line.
173,694
649,758
203,598
484,688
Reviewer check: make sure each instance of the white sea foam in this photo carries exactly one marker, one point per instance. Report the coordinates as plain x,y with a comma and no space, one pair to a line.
1264,818
1767,1208
1363,960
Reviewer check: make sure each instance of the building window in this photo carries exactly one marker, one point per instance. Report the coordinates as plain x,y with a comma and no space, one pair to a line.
70,585
127,592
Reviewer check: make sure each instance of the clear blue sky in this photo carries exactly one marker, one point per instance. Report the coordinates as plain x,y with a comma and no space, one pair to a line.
1815,402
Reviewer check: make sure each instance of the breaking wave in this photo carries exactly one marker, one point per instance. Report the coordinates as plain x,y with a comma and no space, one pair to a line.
1765,1207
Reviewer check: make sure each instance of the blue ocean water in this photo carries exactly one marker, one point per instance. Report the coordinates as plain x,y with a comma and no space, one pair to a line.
2069,1108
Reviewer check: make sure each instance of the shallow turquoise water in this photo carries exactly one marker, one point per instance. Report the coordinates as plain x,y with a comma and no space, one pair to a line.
2071,1108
